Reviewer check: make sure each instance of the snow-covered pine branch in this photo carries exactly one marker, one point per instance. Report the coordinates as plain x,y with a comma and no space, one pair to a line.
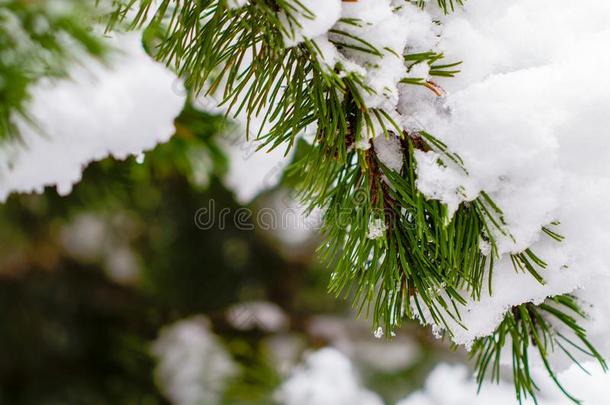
459,154
70,96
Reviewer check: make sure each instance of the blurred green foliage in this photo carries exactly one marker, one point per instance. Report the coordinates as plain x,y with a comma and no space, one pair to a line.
73,335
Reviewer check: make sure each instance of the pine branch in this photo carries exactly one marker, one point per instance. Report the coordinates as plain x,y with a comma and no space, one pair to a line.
424,260
530,329
39,40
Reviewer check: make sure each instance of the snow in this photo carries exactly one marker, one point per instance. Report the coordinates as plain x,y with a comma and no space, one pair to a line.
326,377
193,366
529,119
317,18
376,228
119,112
252,171
389,151
443,181
459,388
419,71
386,32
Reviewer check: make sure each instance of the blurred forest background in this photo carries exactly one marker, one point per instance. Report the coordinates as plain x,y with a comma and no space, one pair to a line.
113,295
